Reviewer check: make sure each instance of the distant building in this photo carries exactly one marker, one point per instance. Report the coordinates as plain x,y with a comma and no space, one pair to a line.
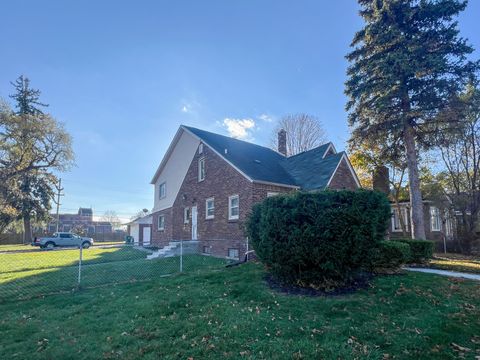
81,220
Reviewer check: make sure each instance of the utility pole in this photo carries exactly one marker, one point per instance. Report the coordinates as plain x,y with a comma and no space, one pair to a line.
59,193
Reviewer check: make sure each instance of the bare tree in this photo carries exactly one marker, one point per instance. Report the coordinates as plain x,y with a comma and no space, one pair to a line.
140,214
304,132
112,217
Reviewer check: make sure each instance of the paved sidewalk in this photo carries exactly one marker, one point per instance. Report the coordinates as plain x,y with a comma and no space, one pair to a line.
445,273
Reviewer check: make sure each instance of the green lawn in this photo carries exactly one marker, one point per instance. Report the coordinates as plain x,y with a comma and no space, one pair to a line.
230,313
33,274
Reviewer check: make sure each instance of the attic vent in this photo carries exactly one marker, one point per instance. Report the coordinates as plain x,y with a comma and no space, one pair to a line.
257,161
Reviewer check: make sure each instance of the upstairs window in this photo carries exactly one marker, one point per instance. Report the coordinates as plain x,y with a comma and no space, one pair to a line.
209,208
200,148
233,207
161,222
201,169
435,219
162,190
186,215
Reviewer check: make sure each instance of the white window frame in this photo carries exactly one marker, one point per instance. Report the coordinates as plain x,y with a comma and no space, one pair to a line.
271,193
230,216
201,169
212,216
200,148
164,185
233,257
161,228
435,219
395,213
186,215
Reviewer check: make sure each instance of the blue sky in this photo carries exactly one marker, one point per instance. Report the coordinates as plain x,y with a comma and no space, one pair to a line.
123,75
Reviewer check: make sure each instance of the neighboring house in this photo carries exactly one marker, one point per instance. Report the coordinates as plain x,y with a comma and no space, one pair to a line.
440,224
83,220
140,229
207,183
440,221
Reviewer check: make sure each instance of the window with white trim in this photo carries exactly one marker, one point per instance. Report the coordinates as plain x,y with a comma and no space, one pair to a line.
233,254
207,250
270,194
233,207
435,219
186,215
161,222
201,169
162,190
200,148
396,224
448,224
209,208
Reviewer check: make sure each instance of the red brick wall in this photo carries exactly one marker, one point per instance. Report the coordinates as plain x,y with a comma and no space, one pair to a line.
343,178
221,181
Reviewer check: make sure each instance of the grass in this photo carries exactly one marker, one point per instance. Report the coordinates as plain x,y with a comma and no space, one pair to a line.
456,263
230,313
32,274
28,247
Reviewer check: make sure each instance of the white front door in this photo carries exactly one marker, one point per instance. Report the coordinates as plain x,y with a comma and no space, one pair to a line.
146,235
194,223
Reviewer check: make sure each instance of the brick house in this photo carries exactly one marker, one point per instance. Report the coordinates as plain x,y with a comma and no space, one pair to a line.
207,183
83,219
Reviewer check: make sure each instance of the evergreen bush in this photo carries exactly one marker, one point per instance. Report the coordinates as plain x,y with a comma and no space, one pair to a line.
318,239
420,250
390,255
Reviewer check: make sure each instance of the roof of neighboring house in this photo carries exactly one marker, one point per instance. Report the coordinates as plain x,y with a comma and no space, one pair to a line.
309,170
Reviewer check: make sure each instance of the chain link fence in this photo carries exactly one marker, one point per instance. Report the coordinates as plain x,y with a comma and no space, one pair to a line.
27,272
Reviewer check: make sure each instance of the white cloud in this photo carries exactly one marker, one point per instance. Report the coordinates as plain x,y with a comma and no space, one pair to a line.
239,128
185,109
265,117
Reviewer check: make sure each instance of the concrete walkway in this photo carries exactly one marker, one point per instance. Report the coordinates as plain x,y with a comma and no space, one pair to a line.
446,273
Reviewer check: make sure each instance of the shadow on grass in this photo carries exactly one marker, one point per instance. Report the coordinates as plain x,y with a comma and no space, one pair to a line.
24,277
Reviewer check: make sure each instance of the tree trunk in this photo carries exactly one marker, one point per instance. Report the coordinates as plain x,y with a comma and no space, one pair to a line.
416,202
27,229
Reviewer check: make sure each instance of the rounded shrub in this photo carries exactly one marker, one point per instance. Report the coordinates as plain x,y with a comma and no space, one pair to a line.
318,239
420,250
390,255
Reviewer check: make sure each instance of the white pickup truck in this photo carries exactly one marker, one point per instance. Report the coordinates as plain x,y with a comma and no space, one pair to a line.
63,239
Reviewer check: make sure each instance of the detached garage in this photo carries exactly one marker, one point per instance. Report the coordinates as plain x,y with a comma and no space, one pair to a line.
141,230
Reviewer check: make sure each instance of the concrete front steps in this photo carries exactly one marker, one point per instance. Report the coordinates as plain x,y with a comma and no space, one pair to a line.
174,248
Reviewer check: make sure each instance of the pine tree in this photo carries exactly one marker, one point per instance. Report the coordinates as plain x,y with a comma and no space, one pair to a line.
407,64
26,99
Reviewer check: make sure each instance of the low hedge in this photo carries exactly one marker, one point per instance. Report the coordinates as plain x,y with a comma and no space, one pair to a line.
390,255
420,250
318,239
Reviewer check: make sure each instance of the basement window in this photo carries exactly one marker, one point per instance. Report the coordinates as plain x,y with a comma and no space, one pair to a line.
233,254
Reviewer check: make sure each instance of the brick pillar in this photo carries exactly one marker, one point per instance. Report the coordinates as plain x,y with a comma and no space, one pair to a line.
282,142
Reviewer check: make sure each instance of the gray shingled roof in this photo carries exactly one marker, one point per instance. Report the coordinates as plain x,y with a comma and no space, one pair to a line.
307,170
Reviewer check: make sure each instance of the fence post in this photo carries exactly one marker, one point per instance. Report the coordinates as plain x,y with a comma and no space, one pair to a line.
181,255
80,265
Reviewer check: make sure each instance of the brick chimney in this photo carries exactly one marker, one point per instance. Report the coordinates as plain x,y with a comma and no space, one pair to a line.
380,179
282,142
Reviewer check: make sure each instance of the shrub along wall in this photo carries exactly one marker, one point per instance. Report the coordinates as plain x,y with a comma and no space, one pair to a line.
319,239
420,250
